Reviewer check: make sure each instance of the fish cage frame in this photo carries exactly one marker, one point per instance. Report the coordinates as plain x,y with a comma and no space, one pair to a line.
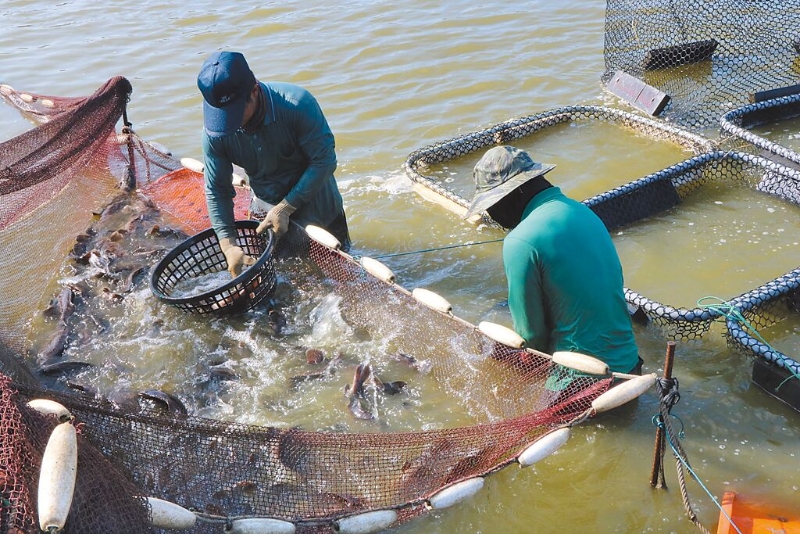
769,305
520,127
736,123
685,177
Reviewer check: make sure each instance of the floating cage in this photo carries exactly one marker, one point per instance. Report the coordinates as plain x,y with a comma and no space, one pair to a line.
707,57
506,132
774,371
739,123
667,189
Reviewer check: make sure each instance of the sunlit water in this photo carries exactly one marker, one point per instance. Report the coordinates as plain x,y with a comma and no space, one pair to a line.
393,78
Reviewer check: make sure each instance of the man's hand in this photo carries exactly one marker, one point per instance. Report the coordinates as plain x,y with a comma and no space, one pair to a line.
277,218
235,256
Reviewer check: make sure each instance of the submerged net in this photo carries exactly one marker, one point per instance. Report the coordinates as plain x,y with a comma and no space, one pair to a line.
53,179
226,471
708,57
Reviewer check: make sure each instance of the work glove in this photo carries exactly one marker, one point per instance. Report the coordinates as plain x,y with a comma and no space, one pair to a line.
235,256
277,218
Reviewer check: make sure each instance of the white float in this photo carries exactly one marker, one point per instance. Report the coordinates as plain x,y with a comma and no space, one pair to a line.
543,447
456,493
377,269
6,89
239,181
581,362
323,236
165,514
366,522
57,477
432,300
502,334
46,102
50,407
624,392
193,164
26,97
261,525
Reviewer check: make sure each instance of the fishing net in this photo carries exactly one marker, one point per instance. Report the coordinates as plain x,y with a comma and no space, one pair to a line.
708,57
54,178
227,472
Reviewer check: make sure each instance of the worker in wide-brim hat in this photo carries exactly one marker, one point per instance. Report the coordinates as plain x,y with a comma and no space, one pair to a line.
565,285
278,134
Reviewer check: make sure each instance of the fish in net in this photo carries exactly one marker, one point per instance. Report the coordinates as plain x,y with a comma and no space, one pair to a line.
134,463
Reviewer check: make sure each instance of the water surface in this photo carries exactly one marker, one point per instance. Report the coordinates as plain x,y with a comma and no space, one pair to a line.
391,79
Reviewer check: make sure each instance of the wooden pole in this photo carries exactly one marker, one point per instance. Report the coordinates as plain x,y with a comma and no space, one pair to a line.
659,445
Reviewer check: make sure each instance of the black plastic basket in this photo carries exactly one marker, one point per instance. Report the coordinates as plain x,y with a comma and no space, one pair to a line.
201,254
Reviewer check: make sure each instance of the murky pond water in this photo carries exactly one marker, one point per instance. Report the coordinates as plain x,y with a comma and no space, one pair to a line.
391,79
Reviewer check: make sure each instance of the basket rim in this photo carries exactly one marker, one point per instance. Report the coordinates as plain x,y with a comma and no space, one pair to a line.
244,277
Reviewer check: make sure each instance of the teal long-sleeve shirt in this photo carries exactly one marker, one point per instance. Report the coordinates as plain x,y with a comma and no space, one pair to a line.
290,156
565,285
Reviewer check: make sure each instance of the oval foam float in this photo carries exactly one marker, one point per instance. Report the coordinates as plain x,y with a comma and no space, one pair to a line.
323,236
50,407
624,392
193,164
26,97
261,525
502,334
6,89
57,477
581,362
165,514
239,180
456,493
432,300
46,102
366,522
377,269
543,447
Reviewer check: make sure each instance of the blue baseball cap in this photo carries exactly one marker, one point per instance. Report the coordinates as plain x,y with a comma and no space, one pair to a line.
225,80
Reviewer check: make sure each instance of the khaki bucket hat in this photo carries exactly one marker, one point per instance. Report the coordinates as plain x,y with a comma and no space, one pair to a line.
501,170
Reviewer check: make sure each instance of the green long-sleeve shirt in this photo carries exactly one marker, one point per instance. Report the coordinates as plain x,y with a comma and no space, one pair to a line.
290,156
565,287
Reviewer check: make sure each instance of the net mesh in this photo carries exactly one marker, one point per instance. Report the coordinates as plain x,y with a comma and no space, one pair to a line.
226,470
505,132
736,128
709,57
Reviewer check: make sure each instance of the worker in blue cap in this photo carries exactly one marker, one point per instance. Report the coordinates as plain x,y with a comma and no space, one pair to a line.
278,134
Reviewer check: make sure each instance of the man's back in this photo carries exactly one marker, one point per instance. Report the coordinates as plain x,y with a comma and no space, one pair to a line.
565,282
